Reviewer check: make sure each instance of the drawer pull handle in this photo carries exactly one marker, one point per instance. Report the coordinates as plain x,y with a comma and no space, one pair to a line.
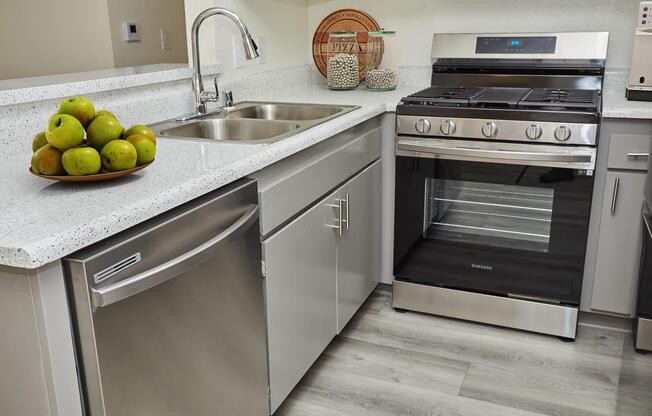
614,198
638,155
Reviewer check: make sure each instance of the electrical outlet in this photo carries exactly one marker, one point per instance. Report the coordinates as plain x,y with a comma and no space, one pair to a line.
239,59
165,39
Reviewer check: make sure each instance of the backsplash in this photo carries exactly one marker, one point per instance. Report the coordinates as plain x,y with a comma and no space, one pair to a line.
142,104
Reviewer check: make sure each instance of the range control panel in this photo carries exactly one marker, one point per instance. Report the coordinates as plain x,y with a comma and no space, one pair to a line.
520,44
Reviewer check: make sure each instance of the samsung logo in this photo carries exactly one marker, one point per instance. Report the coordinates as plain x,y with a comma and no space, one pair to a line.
482,267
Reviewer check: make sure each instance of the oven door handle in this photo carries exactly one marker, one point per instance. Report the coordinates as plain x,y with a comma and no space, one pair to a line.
506,155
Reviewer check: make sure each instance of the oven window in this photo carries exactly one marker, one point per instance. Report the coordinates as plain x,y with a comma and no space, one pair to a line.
510,216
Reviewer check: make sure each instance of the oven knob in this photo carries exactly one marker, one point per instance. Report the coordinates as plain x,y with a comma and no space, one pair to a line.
562,133
533,132
448,127
490,129
423,126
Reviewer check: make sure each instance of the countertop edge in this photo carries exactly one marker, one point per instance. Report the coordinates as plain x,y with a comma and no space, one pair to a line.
28,257
107,80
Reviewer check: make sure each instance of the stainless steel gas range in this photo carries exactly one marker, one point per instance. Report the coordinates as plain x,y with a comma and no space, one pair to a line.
494,179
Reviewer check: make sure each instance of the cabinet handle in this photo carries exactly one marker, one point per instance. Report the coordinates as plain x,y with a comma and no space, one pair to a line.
340,218
614,198
348,219
637,155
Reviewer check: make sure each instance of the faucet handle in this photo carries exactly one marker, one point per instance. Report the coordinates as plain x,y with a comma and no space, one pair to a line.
211,97
228,100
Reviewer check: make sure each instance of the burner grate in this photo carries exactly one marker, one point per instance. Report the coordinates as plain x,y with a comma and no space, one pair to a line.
444,95
499,97
558,98
549,99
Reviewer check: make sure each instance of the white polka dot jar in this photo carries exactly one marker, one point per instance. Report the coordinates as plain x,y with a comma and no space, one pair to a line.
343,61
381,64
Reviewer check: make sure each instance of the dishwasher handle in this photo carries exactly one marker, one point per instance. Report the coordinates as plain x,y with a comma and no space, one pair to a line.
124,289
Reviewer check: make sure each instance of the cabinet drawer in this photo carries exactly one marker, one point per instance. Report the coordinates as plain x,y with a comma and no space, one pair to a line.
289,186
629,151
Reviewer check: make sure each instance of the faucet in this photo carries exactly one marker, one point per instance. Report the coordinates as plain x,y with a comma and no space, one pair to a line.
251,52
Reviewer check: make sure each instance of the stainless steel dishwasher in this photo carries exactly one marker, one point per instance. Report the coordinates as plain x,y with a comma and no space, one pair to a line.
169,316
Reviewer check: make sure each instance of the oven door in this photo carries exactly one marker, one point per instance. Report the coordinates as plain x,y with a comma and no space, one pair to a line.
498,218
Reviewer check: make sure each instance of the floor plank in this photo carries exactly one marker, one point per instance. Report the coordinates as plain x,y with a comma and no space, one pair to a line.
366,396
540,392
396,365
389,363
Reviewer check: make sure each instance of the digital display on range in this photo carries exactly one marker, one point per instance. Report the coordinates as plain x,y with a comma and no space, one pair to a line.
516,45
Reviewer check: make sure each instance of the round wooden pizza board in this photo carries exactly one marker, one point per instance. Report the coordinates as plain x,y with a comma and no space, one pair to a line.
349,20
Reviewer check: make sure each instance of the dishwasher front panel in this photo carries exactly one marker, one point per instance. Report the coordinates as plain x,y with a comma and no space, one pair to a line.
180,330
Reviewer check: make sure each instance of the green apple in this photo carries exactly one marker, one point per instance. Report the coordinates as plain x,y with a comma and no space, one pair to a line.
47,161
105,113
39,141
79,107
64,131
103,130
145,148
118,155
142,130
80,161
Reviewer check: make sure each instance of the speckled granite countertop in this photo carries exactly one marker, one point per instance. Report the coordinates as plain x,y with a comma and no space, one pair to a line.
43,221
614,102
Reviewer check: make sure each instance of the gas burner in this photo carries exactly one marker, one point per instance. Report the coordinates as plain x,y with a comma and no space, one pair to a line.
455,96
560,100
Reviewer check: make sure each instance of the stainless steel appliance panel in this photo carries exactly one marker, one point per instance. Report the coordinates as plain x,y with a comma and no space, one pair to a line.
507,130
573,157
569,45
559,320
643,330
169,316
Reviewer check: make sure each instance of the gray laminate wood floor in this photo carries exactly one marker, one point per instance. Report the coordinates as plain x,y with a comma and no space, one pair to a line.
389,363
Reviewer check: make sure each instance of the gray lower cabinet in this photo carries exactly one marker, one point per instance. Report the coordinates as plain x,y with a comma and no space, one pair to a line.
358,249
23,388
614,243
300,292
317,277
619,244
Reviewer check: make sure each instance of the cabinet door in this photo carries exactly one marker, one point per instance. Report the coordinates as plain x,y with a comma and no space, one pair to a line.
619,244
300,262
358,249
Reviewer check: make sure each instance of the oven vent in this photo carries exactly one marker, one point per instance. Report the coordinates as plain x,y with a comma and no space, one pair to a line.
116,268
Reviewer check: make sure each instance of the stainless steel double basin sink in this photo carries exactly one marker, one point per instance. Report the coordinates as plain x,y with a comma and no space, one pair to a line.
252,122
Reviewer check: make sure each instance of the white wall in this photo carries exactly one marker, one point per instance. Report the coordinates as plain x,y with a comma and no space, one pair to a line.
282,23
417,20
40,37
152,16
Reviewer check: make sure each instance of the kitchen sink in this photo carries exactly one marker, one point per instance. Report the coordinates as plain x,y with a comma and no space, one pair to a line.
252,122
244,130
272,111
